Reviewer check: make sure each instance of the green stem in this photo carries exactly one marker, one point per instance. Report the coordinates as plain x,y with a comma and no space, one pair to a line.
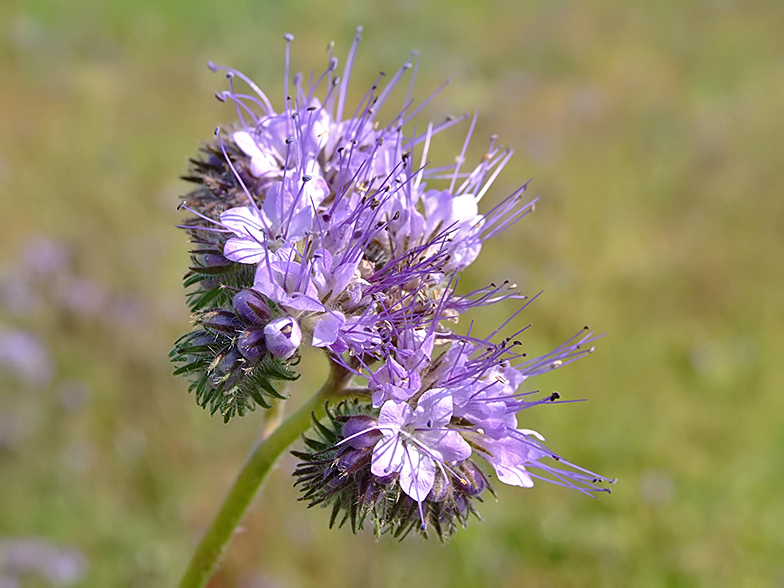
258,465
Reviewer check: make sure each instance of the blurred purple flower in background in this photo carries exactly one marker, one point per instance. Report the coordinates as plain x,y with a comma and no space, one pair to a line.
26,356
29,557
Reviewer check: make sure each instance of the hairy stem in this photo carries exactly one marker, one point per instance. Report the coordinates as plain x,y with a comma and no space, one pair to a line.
253,473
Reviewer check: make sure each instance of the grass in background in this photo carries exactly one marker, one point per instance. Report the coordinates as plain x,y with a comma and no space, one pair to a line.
654,134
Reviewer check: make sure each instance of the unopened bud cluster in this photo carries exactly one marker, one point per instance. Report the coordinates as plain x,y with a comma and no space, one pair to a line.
234,353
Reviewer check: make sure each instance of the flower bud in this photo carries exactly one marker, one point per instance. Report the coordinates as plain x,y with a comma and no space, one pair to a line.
220,322
355,425
283,337
471,481
252,307
350,461
441,488
252,344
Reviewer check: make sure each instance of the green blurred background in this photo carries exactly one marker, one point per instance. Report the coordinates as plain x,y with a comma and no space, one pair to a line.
654,132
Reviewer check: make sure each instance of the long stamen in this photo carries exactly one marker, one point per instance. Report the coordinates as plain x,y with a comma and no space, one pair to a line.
289,38
461,157
347,74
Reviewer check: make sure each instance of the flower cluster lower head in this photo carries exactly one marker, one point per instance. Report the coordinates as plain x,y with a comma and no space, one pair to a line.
324,224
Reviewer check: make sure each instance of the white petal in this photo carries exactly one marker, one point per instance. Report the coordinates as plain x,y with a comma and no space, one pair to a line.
243,250
245,142
263,164
446,446
394,414
242,220
464,208
434,408
388,456
327,329
514,475
300,224
417,474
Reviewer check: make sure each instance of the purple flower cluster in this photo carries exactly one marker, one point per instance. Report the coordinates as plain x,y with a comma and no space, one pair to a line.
347,240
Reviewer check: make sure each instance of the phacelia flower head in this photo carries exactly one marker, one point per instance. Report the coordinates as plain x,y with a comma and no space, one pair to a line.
315,223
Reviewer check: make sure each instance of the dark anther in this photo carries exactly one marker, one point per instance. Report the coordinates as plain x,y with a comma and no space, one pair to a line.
554,396
306,178
556,458
289,140
311,108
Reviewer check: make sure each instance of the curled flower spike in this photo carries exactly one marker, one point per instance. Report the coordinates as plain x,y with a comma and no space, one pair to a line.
317,222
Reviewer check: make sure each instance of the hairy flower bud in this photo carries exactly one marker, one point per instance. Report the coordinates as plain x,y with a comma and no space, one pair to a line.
252,307
252,343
